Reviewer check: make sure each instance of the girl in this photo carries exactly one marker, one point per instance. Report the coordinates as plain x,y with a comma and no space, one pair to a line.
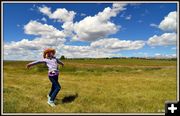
52,64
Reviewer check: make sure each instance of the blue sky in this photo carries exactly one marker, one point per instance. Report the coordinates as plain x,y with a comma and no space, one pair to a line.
132,23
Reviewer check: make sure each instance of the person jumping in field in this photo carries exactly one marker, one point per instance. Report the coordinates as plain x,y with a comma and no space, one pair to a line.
53,72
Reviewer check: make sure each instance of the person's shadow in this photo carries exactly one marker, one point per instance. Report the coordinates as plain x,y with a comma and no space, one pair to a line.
69,98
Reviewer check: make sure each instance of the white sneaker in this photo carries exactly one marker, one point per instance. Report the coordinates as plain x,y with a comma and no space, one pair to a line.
51,103
49,98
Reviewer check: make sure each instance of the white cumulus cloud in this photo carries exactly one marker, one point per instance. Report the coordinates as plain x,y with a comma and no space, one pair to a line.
60,14
37,28
98,26
169,23
49,36
162,40
116,44
45,10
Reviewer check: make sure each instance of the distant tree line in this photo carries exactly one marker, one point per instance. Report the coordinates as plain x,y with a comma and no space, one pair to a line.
148,58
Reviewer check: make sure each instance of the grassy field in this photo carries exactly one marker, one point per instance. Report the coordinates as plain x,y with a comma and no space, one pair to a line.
93,85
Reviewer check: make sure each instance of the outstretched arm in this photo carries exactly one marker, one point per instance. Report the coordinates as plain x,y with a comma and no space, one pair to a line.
60,62
34,63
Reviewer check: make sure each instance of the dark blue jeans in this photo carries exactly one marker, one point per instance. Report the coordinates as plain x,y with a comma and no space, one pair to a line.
55,87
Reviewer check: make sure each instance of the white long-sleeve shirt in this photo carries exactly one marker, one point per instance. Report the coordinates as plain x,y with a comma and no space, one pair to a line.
52,65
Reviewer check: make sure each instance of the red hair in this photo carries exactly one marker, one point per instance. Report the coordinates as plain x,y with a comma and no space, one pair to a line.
48,50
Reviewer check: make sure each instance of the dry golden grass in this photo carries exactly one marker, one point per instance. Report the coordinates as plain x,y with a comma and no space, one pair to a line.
91,86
